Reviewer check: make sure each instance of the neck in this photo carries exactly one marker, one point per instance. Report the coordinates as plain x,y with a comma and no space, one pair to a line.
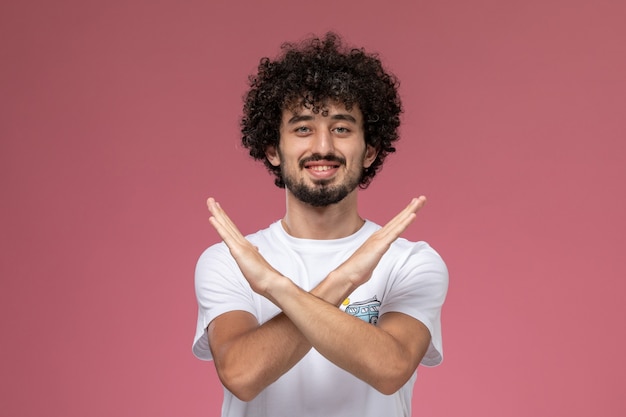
330,222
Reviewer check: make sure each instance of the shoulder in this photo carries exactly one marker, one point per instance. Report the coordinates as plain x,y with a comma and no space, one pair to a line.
413,262
420,250
402,249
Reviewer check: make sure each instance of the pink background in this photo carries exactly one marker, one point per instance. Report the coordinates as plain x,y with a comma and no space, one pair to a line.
118,119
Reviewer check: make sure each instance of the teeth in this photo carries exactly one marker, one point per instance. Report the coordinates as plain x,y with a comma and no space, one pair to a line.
321,168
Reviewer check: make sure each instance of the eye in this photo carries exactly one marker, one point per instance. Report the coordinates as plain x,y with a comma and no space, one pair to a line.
302,130
340,130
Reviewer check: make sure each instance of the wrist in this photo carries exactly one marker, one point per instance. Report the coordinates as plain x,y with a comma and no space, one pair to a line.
335,288
278,288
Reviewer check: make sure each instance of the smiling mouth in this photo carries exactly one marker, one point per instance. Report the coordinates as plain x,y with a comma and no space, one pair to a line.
321,168
320,163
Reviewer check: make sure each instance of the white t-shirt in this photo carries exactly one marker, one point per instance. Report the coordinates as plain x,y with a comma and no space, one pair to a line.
410,278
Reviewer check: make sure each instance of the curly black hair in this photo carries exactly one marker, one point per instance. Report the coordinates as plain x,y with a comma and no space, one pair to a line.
310,74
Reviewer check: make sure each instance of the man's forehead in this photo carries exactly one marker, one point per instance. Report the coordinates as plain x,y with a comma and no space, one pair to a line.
326,109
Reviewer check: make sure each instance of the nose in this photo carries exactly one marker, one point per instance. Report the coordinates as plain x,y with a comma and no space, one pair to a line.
322,143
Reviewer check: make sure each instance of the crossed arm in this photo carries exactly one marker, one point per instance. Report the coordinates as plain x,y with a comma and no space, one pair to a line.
248,356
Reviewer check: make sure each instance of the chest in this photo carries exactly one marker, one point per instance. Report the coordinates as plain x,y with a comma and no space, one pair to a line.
307,270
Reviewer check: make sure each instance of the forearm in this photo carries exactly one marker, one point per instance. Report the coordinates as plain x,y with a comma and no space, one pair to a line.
256,358
368,352
251,360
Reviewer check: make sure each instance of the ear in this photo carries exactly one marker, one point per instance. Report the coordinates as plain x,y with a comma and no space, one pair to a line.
271,153
370,155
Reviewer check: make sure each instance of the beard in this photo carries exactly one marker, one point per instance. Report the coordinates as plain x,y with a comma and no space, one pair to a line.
321,193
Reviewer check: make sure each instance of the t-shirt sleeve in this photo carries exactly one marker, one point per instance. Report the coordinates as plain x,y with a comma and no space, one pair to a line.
418,288
220,287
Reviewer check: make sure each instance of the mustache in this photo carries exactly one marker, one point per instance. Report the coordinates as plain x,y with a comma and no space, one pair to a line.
320,157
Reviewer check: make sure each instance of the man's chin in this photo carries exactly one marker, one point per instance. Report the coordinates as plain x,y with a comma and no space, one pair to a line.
321,183
320,197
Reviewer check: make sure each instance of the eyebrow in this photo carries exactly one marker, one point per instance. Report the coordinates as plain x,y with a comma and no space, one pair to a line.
306,117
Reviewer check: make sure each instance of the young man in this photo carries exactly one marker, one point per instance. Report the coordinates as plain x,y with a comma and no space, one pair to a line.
323,313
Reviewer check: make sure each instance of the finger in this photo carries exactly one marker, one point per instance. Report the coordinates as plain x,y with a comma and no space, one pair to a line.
396,226
223,224
402,220
217,218
222,218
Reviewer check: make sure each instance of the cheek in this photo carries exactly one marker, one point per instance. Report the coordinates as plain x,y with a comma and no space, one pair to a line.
287,164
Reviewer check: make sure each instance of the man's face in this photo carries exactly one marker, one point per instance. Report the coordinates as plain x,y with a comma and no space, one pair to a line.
322,155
